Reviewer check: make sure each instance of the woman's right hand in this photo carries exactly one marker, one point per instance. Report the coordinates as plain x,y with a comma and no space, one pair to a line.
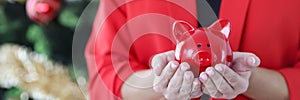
174,80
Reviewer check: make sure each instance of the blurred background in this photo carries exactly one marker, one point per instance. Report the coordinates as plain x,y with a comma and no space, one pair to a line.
53,39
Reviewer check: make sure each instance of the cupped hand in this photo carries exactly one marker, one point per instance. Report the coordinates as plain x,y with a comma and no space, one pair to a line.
174,80
226,82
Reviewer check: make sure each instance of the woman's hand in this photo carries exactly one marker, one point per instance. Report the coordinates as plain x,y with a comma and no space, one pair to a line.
174,80
222,81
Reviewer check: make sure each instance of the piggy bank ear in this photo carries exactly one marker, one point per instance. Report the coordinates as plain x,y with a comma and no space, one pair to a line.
181,30
222,25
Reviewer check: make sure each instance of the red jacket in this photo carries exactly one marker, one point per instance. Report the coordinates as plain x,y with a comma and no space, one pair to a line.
127,33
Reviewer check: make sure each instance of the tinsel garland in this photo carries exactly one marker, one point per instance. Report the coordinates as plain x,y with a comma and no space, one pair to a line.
36,75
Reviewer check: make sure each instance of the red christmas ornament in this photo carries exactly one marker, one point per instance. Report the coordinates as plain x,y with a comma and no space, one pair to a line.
42,11
202,47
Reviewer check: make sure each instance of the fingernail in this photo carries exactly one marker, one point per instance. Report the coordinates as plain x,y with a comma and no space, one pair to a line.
210,71
251,60
196,82
173,65
187,75
184,67
203,76
219,68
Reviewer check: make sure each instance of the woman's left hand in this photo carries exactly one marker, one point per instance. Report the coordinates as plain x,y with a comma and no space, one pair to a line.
226,82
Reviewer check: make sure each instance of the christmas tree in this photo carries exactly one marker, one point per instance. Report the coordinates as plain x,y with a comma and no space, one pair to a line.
53,39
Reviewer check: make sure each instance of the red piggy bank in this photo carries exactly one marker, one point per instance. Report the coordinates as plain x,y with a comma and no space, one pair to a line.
202,47
42,11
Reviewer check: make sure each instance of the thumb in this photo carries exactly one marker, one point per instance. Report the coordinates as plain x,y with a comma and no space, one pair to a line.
243,61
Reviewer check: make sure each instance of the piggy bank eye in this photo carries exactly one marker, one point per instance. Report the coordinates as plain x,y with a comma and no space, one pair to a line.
198,45
208,45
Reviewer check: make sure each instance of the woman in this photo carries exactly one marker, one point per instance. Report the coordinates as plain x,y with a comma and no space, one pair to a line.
127,34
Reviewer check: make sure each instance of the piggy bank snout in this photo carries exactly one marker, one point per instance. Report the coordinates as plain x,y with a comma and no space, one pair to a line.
204,58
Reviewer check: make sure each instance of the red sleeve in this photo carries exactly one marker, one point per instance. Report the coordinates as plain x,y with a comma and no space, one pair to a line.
291,76
109,63
118,46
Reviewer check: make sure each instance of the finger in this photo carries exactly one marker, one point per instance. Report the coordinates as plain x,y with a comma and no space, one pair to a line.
196,89
176,81
186,86
221,84
161,82
233,79
203,79
244,61
159,61
209,84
